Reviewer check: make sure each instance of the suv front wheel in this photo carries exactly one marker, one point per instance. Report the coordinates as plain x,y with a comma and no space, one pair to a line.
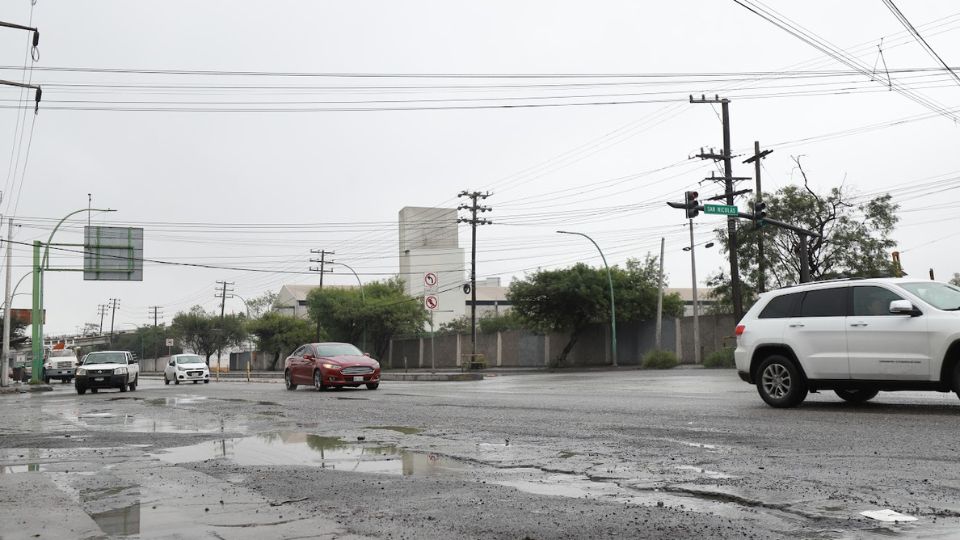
780,383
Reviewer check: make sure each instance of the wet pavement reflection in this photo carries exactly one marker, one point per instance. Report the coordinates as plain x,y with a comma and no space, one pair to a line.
306,449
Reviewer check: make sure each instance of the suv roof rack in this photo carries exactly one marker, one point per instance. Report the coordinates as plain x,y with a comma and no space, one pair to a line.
823,281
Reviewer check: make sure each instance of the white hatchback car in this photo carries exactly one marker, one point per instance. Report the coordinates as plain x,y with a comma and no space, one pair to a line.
855,337
186,367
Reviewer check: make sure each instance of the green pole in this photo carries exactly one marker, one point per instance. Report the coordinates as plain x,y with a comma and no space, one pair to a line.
37,316
613,308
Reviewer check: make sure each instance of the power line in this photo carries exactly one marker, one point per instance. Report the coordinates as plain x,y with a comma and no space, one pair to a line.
906,24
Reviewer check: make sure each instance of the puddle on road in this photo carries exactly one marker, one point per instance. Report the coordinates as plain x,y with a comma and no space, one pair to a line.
179,401
305,449
401,429
138,423
30,467
713,475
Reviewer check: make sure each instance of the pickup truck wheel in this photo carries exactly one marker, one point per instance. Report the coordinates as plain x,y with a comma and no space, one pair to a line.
46,380
94,390
288,381
854,395
779,382
123,387
81,391
133,385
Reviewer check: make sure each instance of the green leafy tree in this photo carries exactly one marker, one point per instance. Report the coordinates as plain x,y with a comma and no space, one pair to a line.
206,333
262,304
383,312
570,299
488,323
279,334
856,240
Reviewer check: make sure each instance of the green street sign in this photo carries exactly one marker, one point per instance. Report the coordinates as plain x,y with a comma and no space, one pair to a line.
722,209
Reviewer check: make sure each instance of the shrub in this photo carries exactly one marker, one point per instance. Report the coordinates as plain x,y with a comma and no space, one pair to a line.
660,360
722,358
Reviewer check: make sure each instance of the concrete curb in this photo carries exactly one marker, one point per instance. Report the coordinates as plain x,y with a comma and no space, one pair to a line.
387,376
25,388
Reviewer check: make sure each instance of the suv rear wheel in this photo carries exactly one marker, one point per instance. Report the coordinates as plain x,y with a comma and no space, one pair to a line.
779,382
857,395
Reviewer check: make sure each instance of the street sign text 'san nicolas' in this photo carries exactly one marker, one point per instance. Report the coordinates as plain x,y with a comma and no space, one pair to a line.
722,209
112,253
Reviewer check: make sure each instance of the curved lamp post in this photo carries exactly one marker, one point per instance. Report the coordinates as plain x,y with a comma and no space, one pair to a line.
39,265
362,300
613,309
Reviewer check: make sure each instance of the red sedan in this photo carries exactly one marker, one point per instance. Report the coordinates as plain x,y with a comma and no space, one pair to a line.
327,365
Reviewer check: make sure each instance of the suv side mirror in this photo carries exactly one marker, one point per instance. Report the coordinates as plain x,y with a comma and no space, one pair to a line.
904,307
170,363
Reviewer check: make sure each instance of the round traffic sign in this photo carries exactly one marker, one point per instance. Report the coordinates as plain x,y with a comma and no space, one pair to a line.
430,279
431,302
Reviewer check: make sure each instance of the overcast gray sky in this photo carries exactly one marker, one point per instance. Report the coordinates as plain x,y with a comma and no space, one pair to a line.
215,184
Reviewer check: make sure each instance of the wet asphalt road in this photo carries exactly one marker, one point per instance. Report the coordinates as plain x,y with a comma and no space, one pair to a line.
625,454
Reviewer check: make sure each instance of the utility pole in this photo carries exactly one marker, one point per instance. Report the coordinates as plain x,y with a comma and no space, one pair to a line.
660,298
223,294
102,310
696,307
155,311
474,208
114,302
7,299
755,159
322,269
728,191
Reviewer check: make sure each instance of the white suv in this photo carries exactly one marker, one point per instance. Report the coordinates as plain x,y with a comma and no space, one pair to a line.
855,337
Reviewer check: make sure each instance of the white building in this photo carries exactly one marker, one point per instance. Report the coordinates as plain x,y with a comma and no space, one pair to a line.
432,263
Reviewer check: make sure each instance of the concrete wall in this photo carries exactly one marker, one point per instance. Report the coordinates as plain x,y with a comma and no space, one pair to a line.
527,349
716,332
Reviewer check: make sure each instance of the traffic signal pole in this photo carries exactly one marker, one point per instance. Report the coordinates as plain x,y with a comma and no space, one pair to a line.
755,159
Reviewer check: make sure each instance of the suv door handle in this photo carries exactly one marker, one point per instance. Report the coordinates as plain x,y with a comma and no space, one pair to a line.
859,324
797,325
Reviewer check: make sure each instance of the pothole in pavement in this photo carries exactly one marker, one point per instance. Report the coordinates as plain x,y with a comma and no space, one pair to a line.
306,449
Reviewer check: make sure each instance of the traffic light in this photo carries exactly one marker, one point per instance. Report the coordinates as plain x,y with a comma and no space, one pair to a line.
759,213
690,198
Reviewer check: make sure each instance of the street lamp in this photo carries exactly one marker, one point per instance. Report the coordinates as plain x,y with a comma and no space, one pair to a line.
362,300
696,308
613,309
39,265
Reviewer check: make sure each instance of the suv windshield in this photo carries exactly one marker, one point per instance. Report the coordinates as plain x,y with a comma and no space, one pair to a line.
189,359
337,349
938,295
106,358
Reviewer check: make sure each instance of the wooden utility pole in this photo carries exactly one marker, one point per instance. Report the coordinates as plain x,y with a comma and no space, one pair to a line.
323,270
660,298
755,159
474,208
728,192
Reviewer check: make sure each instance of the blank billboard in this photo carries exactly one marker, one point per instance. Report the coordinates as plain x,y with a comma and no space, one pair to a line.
113,253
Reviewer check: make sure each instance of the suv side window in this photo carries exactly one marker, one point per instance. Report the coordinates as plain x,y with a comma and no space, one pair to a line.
781,307
872,301
824,303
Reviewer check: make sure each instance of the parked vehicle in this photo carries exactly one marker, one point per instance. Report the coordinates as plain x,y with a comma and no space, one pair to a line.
107,369
331,365
60,364
855,337
186,367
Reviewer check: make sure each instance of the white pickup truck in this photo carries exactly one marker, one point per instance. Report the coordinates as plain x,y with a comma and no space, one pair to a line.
60,364
107,369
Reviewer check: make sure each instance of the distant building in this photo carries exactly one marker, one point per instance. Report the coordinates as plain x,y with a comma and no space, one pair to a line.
292,298
432,263
704,301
